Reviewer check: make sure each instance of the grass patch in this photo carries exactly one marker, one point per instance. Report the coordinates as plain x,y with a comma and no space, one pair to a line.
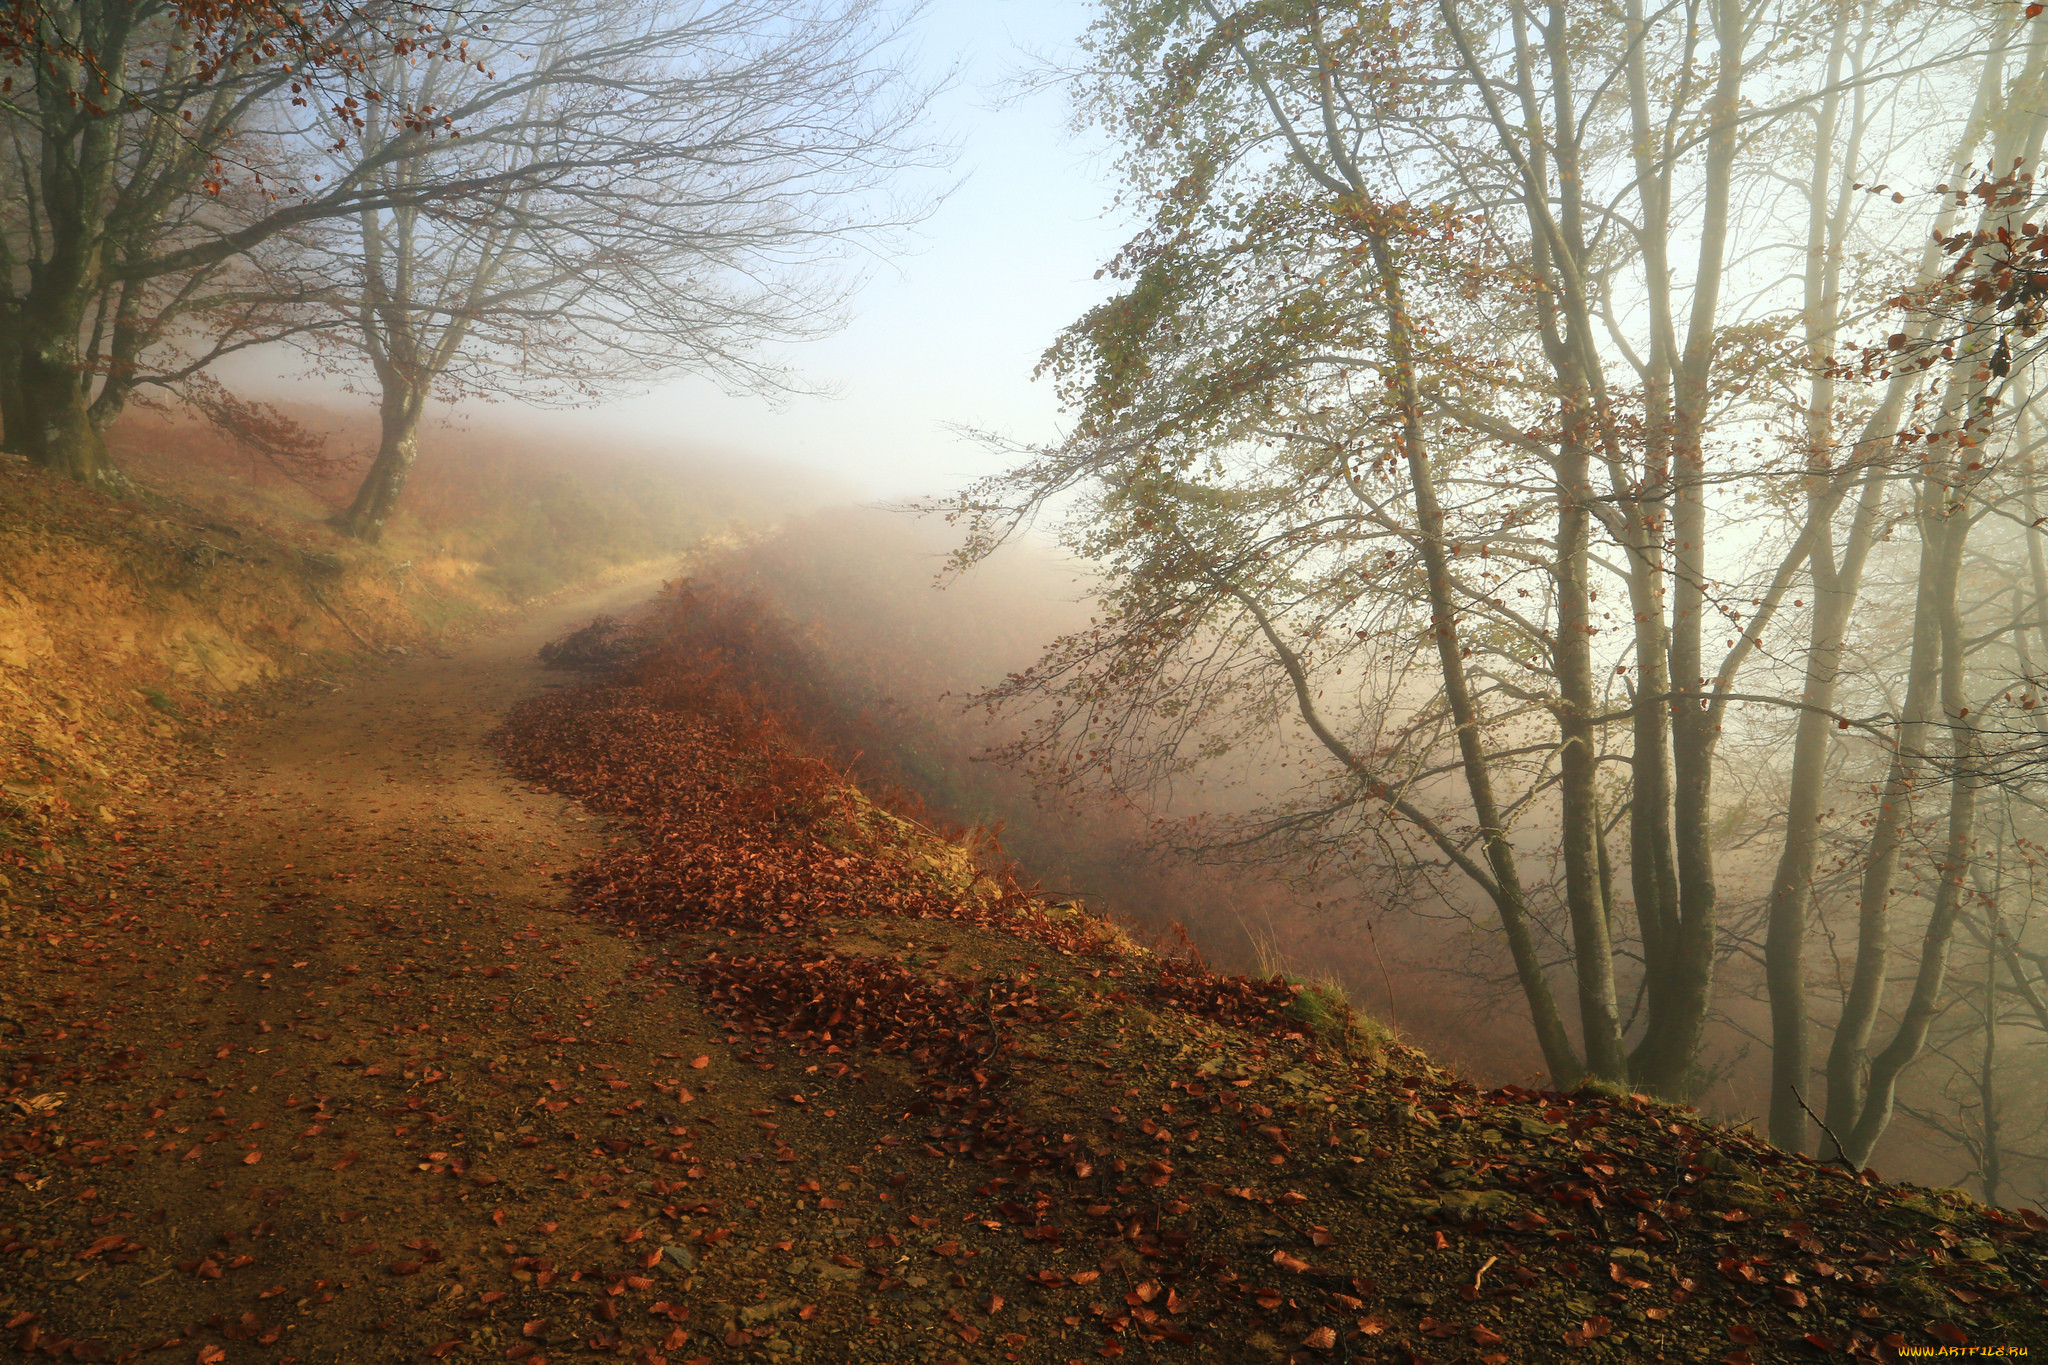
1324,1006
156,697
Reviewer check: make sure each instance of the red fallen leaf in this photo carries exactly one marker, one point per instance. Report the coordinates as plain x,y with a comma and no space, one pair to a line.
1287,1262
1591,1330
1744,1335
209,1354
1789,1297
1086,1276
100,1245
207,1268
1372,1326
445,1347
969,1333
1947,1333
405,1267
1176,1304
537,1328
1738,1356
701,1062
1322,1339
995,1304
252,1158
1962,1295
347,1160
1483,1336
810,1310
1820,1343
240,1261
1110,1350
498,1217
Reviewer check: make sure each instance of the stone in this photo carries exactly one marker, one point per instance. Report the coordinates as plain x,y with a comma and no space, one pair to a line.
678,1259
754,1314
1474,1201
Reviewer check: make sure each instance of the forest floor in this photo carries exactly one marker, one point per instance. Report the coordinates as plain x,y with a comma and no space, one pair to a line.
469,1011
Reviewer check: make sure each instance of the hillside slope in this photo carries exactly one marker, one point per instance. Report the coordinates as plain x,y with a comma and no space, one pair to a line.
789,1076
133,626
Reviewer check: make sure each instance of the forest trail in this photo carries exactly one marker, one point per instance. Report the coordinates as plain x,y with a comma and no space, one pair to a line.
273,952
319,1061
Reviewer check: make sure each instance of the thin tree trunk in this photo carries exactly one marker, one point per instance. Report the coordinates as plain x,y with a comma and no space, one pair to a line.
1860,1105
1880,1088
1578,764
397,449
1834,597
1509,900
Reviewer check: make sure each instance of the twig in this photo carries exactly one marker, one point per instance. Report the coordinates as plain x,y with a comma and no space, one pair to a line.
316,596
1482,1272
1841,1154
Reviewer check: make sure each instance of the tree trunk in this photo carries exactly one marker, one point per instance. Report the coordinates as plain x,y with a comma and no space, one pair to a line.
1509,899
1578,767
397,447
1835,590
13,416
1880,1086
57,430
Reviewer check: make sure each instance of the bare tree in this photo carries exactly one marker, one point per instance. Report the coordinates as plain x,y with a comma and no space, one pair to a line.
681,190
149,165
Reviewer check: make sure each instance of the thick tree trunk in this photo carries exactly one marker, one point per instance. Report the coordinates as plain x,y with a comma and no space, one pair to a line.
13,416
57,430
397,449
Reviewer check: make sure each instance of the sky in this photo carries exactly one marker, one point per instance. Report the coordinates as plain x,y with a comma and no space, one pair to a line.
950,333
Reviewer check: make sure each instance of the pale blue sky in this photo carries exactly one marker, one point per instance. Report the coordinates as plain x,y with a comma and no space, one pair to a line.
951,333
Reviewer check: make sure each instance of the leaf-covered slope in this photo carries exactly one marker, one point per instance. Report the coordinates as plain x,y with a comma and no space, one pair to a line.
1108,1152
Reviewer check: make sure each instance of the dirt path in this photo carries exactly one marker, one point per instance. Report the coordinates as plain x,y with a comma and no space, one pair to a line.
302,1015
